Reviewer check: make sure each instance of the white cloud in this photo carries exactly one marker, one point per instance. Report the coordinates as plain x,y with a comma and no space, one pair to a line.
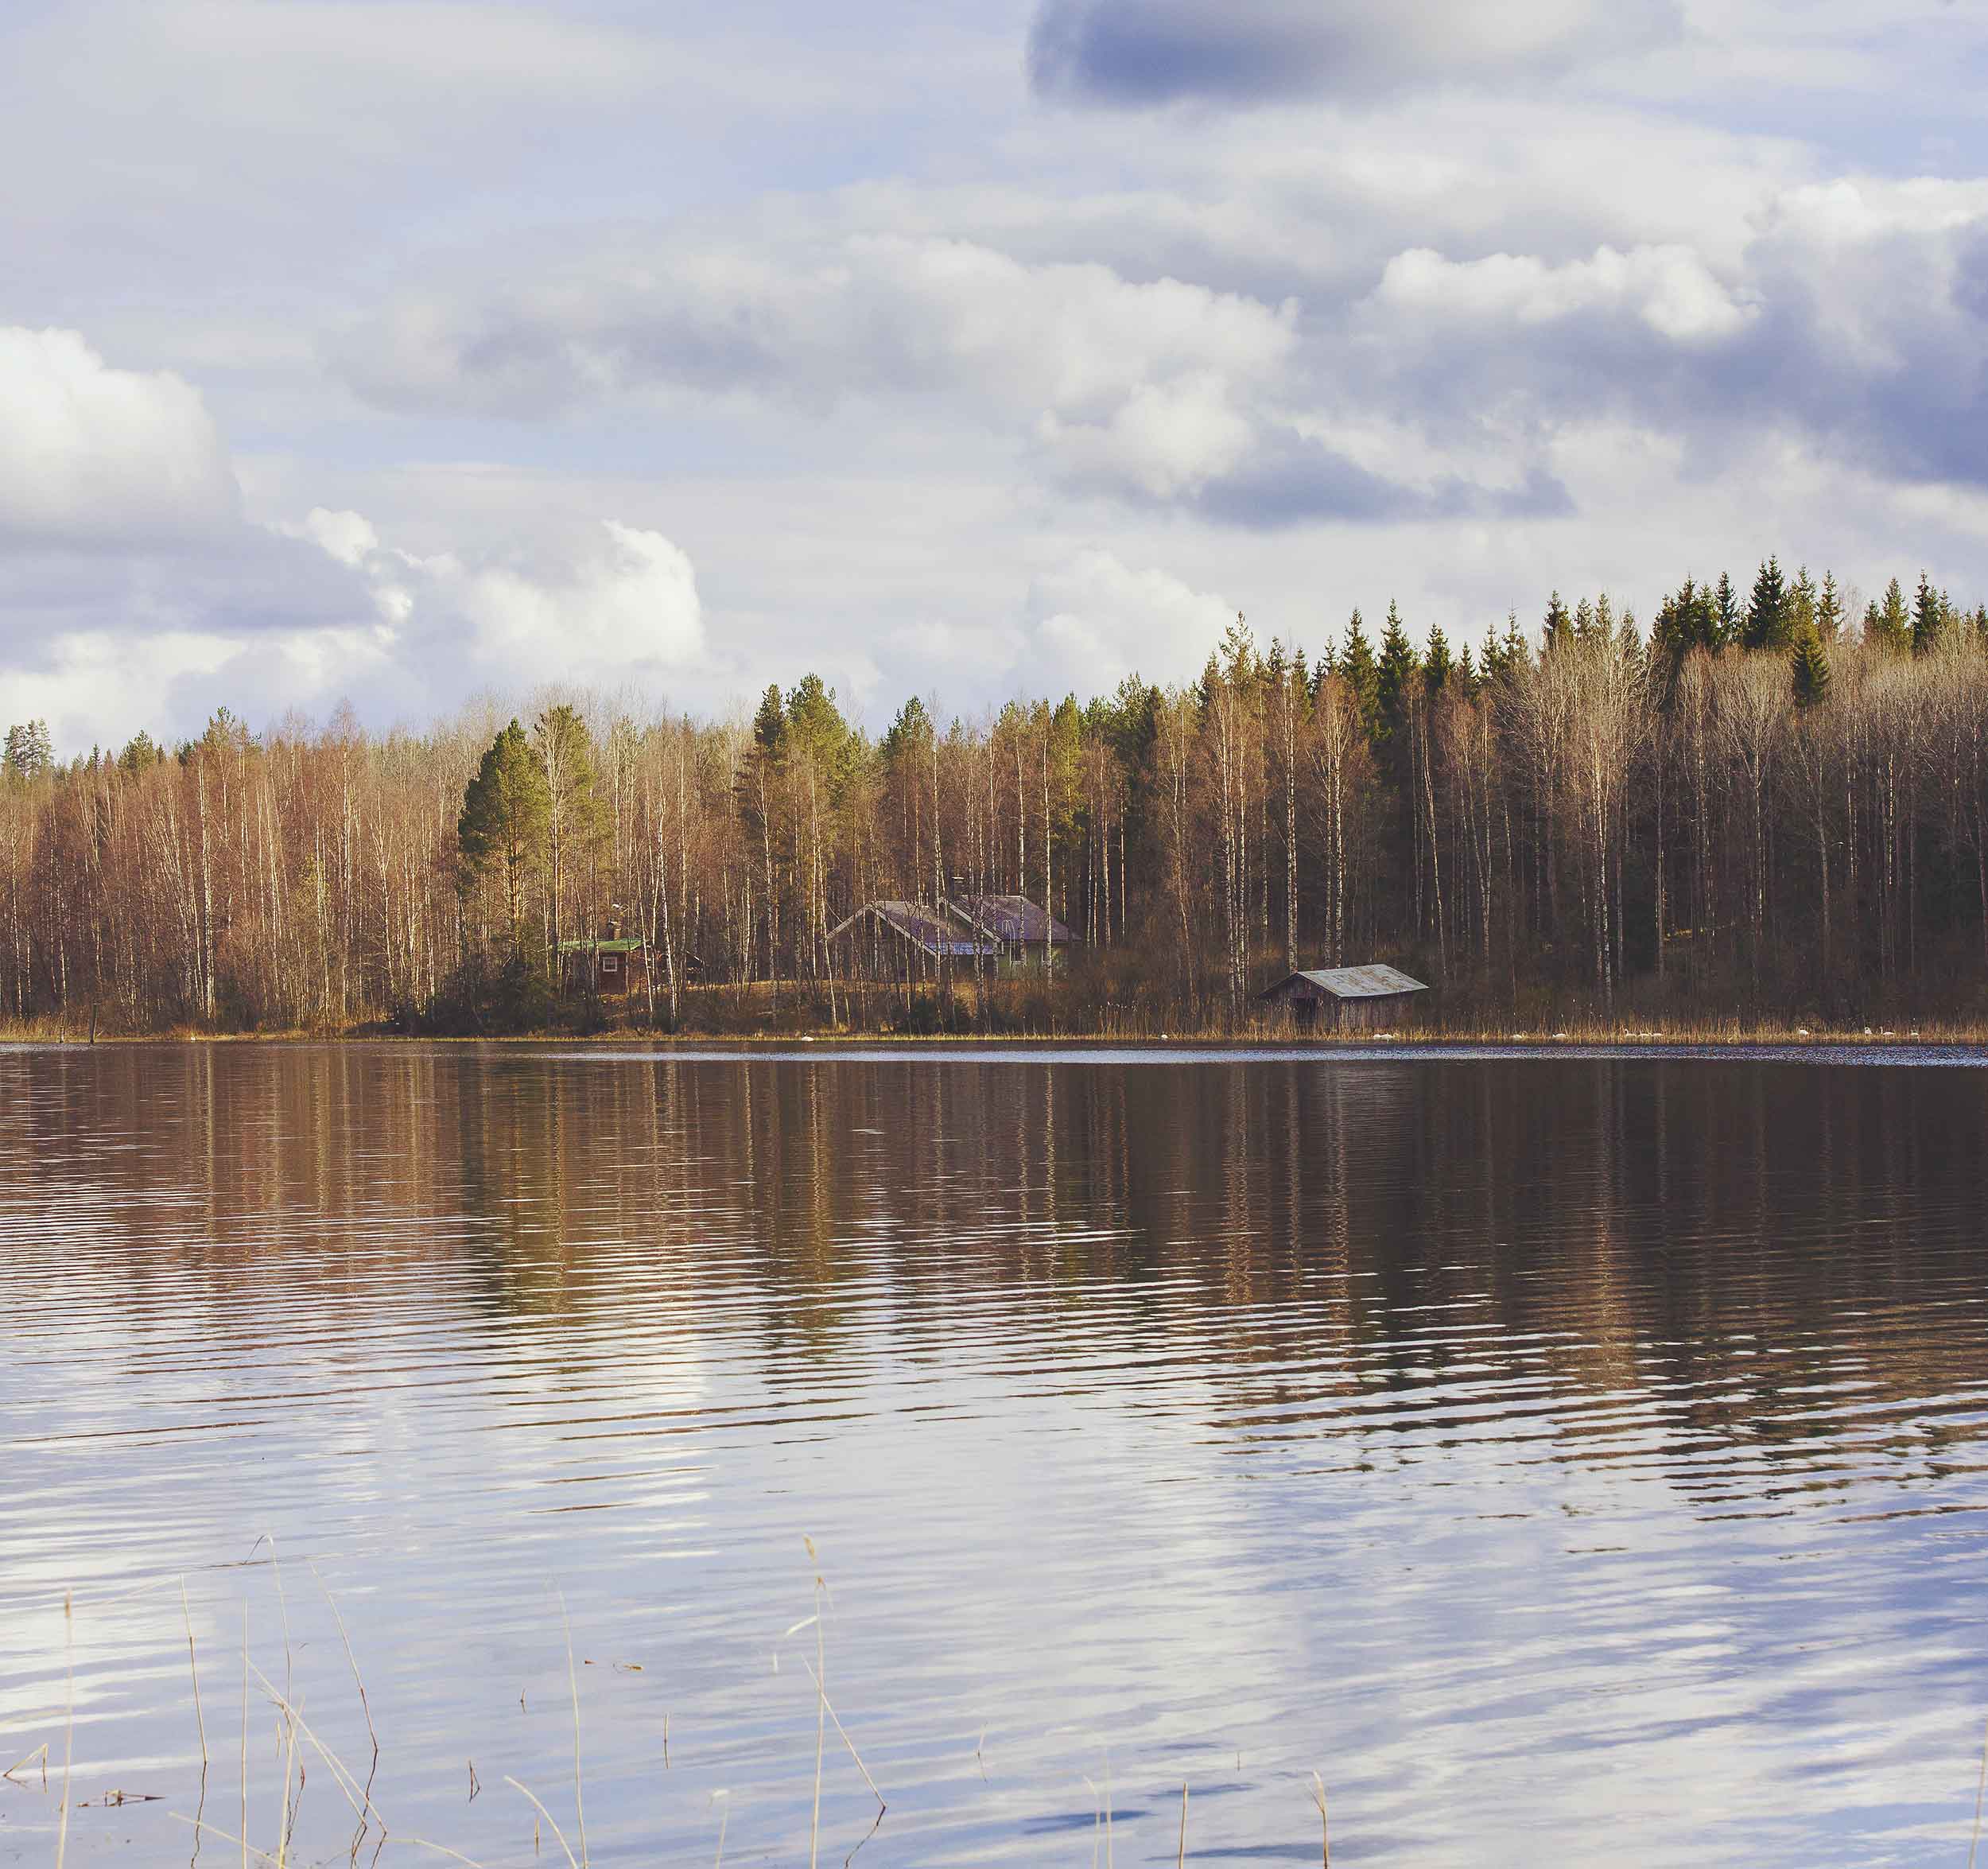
105,456
1095,620
1157,381
620,606
1669,289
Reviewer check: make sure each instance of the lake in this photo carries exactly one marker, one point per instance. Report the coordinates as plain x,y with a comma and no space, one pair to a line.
1570,1460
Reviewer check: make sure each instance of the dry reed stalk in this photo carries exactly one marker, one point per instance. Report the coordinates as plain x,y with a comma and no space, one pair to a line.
245,1687
820,1714
724,1818
194,1668
201,1827
1981,1786
341,1775
572,1680
847,1741
1107,1811
351,1661
68,1720
41,1752
550,1819
283,1608
1097,1820
1325,1828
1181,1858
289,1758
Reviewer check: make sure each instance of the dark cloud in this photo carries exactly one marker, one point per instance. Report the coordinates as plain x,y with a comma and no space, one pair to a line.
1136,52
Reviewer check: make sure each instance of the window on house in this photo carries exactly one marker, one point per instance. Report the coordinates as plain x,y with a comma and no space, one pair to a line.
611,963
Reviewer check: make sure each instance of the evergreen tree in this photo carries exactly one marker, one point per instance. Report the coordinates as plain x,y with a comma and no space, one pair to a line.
1726,614
1804,605
817,731
769,724
1518,656
1558,626
141,750
577,823
1767,619
1890,624
1809,663
506,808
1629,639
1584,623
1465,681
1436,665
1829,609
910,735
29,752
1396,673
1362,677
1928,616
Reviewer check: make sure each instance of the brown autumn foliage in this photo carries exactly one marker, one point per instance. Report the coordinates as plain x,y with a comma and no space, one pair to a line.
1587,829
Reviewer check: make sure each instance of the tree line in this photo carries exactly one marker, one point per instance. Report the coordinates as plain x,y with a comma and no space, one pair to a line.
1771,805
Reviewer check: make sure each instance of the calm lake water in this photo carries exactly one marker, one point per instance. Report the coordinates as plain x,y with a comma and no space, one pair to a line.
1572,1462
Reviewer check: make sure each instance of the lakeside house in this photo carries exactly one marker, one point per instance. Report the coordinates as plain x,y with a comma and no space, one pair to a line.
608,963
1346,999
1024,934
905,940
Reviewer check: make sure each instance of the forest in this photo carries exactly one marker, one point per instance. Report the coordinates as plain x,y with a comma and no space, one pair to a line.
1770,807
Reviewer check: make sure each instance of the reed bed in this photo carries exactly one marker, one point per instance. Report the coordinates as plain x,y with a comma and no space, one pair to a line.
304,1755
300,1741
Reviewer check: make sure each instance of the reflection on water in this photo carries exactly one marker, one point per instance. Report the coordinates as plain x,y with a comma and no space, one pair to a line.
1569,1460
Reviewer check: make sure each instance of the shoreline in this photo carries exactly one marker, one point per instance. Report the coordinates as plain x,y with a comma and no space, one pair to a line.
1919,1045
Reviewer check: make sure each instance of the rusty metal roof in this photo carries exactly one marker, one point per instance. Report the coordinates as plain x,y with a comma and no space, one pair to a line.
1371,982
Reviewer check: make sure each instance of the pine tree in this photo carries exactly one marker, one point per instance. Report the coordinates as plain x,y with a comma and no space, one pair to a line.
769,724
1767,618
29,752
506,808
1809,665
1829,609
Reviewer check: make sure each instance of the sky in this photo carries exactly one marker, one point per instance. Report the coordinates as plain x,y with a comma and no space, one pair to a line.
390,354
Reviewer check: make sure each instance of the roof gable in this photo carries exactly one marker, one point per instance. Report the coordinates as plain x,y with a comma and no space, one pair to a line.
1372,982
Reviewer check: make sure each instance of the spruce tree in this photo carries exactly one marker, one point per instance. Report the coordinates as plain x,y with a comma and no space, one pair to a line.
1890,624
1436,665
1767,619
1928,616
1809,665
1803,604
1557,624
1396,673
1726,614
1829,609
1356,666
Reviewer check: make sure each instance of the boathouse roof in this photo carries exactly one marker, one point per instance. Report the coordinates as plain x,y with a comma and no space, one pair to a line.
1373,981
